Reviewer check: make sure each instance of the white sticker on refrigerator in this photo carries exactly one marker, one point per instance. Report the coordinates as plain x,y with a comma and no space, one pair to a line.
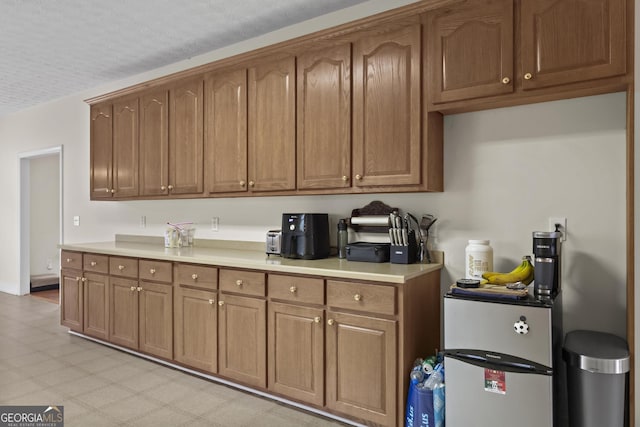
494,381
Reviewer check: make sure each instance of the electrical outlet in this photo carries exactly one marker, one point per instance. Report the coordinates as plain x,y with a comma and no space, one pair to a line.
143,221
215,223
563,226
49,264
76,221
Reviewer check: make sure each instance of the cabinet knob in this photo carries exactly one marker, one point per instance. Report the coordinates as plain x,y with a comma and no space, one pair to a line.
239,282
345,178
78,278
220,303
358,177
317,319
69,260
93,263
121,267
506,80
330,322
170,187
152,271
162,187
194,276
113,190
139,289
242,184
528,76
84,279
211,301
133,288
252,184
293,289
357,297
107,190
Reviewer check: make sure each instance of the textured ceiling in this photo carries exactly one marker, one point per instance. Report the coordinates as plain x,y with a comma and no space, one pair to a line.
49,49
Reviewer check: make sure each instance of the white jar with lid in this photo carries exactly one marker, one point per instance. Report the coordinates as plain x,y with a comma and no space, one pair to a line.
478,259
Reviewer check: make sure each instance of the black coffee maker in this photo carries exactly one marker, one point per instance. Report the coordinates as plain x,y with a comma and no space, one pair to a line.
305,235
546,252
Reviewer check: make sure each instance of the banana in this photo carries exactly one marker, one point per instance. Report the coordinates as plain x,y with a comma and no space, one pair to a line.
522,273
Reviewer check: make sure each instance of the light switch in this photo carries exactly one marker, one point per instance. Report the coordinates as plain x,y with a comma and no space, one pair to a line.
76,220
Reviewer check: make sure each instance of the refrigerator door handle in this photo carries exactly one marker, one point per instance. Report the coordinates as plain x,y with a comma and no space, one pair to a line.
498,361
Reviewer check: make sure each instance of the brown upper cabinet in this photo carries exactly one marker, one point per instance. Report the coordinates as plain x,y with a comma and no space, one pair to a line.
114,149
226,131
324,119
471,45
171,140
272,126
387,109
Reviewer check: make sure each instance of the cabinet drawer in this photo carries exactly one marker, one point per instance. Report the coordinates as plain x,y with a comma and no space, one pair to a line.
155,271
70,259
244,282
297,289
361,296
197,276
125,267
95,263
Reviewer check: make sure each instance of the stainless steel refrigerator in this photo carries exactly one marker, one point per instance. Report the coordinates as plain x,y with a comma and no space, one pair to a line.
503,363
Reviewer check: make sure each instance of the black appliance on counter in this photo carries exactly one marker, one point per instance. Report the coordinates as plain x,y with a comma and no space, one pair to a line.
305,235
546,252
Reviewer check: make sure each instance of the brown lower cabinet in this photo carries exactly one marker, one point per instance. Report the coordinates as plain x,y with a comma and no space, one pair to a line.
342,346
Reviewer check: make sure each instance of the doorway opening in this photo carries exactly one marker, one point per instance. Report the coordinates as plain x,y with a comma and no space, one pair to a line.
40,218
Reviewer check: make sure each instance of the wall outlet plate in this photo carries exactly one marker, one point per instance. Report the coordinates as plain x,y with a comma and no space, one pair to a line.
76,221
215,223
563,226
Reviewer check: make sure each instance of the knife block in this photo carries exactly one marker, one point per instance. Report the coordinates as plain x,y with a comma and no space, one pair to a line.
404,254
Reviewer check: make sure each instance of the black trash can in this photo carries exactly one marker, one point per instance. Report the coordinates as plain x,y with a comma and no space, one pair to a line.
597,367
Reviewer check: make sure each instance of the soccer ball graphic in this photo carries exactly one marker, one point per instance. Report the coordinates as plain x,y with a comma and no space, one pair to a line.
521,327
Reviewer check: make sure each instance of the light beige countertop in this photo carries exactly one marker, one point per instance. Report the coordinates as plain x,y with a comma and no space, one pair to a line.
251,255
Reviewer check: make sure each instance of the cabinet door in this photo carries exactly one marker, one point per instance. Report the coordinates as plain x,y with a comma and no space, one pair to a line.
226,131
196,328
386,109
361,367
566,41
125,148
186,138
470,50
154,143
242,341
96,305
123,312
71,312
272,126
296,352
156,319
101,155
324,119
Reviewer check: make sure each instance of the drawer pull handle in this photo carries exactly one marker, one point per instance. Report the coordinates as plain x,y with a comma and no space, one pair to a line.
357,297
69,259
252,184
358,177
121,267
162,187
133,288
93,263
170,187
194,276
293,289
238,282
211,301
242,184
330,322
84,279
78,278
139,288
506,80
317,319
528,76
220,303
152,271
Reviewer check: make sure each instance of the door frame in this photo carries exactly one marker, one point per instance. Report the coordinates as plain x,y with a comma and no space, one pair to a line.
24,215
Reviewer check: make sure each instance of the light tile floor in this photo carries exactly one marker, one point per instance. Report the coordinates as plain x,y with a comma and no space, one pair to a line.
42,364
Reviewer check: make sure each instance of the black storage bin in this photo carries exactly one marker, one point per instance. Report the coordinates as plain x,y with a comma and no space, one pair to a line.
597,366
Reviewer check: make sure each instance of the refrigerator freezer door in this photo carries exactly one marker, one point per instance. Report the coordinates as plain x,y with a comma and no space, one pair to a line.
490,326
522,400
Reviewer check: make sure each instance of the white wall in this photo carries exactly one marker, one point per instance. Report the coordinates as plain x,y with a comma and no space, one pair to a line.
506,172
45,214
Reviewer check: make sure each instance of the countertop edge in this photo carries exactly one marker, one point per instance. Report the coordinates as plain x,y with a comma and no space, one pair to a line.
257,260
